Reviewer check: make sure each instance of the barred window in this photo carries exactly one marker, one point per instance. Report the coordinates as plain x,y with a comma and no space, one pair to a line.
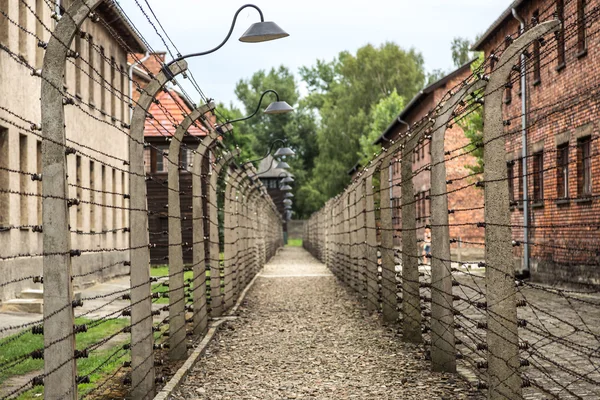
584,167
562,171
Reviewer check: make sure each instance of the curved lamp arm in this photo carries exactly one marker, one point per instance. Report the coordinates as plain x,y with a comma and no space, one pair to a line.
203,53
257,107
268,152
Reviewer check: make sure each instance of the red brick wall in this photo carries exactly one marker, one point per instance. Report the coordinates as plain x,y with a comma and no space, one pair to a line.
468,198
564,234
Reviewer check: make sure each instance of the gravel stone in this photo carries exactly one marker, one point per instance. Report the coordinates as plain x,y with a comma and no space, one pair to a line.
301,335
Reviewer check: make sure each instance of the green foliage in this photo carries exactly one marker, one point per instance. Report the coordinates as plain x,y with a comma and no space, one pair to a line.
472,125
435,76
344,93
461,51
382,114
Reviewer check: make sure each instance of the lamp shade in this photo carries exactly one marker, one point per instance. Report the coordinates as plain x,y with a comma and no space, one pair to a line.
284,151
287,202
282,165
263,32
287,179
286,188
279,107
287,207
289,195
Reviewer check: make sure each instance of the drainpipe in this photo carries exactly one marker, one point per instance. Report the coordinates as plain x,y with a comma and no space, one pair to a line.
131,67
526,267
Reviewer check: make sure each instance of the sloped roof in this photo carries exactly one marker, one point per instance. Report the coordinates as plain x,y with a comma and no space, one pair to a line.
168,113
421,96
113,15
266,168
497,23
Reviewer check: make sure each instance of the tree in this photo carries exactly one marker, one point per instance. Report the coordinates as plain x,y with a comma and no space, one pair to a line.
344,93
461,51
382,115
472,125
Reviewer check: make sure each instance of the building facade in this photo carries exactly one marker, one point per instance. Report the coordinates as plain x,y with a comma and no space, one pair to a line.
461,194
562,162
96,129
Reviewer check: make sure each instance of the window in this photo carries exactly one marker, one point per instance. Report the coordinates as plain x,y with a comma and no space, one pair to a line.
520,178
113,84
40,10
91,70
102,81
23,32
92,198
581,34
536,52
103,202
124,191
78,182
584,167
24,179
78,66
562,171
114,198
538,177
4,23
510,175
508,91
4,198
123,95
147,160
39,183
560,34
162,162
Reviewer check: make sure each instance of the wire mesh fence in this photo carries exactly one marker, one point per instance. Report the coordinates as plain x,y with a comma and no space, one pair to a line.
492,266
75,209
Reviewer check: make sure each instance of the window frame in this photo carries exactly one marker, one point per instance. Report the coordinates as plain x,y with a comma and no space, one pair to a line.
562,171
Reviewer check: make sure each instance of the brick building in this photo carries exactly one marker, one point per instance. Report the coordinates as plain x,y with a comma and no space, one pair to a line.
470,197
562,130
98,81
170,111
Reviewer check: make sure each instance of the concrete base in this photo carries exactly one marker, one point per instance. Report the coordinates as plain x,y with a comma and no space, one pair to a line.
23,305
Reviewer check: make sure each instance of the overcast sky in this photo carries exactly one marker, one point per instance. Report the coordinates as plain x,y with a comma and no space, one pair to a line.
319,29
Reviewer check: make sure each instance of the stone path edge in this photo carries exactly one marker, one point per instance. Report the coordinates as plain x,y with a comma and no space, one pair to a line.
181,373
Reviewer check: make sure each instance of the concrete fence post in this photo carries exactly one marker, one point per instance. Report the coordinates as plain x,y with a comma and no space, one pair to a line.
199,215
411,300
361,249
371,243
504,380
59,341
216,297
232,235
443,348
388,266
177,332
142,341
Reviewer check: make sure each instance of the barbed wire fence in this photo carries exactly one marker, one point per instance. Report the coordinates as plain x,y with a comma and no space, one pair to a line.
91,201
514,337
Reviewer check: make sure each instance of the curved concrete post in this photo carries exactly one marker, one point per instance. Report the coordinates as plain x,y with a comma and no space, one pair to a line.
59,365
231,236
388,266
411,299
142,362
216,297
443,348
504,381
200,304
371,242
177,332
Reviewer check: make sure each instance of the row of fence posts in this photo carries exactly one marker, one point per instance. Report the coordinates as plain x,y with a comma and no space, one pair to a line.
343,234
252,227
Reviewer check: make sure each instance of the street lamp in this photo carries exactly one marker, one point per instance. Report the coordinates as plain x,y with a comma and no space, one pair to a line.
282,165
262,31
276,107
286,188
288,195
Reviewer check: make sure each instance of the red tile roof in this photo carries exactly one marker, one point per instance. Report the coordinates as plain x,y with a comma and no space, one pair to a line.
170,112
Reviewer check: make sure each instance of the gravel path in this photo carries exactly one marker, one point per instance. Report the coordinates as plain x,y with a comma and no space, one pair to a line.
301,335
